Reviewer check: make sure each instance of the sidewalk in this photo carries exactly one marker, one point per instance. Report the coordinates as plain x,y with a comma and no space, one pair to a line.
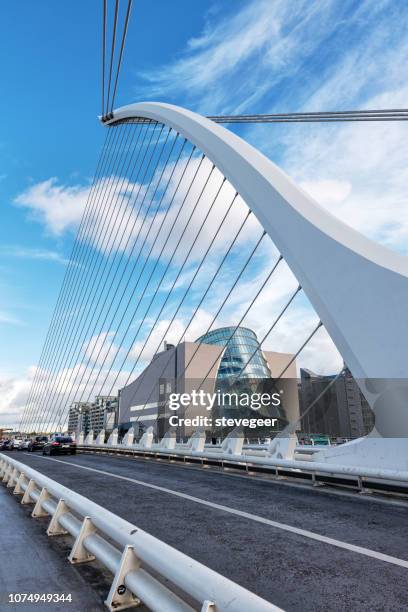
28,564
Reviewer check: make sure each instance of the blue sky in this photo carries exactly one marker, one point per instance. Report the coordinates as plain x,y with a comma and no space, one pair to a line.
213,56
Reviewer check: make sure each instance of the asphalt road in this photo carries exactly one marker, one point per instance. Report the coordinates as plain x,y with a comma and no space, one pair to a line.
248,529
30,563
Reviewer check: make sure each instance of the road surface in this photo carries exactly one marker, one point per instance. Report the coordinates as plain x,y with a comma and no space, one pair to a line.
301,548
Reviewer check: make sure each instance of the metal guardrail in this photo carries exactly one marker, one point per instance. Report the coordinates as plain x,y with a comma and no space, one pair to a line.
139,562
364,479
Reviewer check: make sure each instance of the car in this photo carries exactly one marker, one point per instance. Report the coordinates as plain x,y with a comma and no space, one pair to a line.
37,443
6,445
24,444
59,445
17,442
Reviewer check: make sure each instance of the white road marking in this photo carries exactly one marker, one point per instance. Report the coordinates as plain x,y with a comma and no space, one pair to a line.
253,517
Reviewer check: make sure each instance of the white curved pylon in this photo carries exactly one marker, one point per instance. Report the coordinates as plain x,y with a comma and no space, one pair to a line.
358,288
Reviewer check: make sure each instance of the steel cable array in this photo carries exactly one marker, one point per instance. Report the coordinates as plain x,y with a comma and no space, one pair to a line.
161,231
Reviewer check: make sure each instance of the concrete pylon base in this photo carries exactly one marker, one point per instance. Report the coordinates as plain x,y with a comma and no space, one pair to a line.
371,451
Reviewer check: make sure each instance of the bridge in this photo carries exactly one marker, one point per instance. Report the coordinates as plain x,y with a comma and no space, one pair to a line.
191,238
278,540
287,542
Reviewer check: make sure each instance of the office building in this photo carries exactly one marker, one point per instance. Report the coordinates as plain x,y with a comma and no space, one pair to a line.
97,415
339,410
215,361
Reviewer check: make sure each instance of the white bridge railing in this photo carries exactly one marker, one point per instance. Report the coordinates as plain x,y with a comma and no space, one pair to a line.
281,454
145,569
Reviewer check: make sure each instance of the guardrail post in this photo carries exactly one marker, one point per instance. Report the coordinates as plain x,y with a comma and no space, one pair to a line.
38,509
18,489
362,489
79,554
6,473
2,467
54,528
208,606
316,483
12,478
120,597
27,497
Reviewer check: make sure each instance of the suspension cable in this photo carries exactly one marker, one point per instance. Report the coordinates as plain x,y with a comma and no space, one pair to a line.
95,359
121,51
57,310
84,247
318,326
359,115
97,249
163,276
235,328
190,283
115,21
86,269
271,272
82,336
103,54
272,327
163,247
202,300
141,250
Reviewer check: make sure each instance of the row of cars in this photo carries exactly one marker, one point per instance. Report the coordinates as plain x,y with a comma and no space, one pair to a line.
49,445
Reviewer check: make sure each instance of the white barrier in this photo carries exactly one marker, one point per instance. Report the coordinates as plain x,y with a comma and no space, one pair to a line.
100,438
197,441
233,443
113,438
283,447
89,438
169,440
129,437
146,440
133,555
276,455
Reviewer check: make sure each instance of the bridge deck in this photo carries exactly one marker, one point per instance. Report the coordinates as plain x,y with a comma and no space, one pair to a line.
245,528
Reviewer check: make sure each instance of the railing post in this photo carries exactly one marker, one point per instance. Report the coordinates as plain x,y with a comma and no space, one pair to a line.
208,606
79,554
27,497
54,528
362,489
38,509
120,597
6,473
18,489
12,478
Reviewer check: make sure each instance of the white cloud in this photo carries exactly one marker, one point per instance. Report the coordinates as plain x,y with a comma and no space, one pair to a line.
58,207
173,333
49,406
266,53
33,253
9,319
250,51
357,172
14,392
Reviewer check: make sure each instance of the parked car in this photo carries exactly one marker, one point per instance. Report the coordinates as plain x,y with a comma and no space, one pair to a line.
37,443
17,442
59,445
6,445
24,444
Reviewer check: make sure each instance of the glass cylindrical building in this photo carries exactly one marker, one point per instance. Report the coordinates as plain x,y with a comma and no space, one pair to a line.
242,369
242,355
